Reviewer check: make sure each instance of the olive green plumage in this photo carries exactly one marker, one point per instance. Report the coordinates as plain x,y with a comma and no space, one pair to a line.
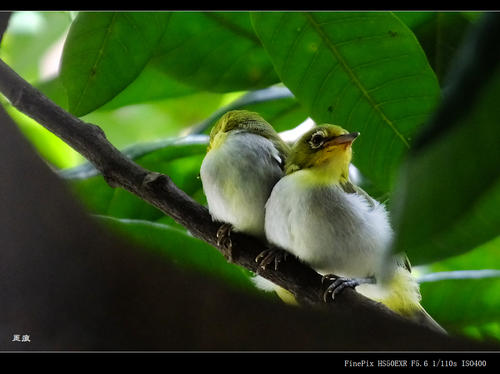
250,122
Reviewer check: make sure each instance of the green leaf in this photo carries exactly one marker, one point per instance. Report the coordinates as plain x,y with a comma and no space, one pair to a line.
486,331
414,19
485,256
364,71
181,248
54,90
456,303
104,52
448,196
151,85
275,104
215,51
284,114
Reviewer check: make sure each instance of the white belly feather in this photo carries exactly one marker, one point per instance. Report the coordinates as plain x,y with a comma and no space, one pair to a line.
238,178
331,230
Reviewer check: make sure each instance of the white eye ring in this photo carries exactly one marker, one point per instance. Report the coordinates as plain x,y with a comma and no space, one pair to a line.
317,140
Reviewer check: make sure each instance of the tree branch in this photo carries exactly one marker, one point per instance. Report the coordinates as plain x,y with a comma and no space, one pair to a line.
159,191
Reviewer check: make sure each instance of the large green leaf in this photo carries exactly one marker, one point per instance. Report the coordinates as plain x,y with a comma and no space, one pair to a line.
485,256
415,19
104,52
181,248
283,114
152,84
448,196
216,51
54,90
364,71
275,104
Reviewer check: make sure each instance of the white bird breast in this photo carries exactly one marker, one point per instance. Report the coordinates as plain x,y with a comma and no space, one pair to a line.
238,177
333,231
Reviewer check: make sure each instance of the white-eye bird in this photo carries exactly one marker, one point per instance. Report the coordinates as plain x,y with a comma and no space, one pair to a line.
316,213
245,158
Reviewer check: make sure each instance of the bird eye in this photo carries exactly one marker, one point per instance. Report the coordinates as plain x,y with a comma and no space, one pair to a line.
316,140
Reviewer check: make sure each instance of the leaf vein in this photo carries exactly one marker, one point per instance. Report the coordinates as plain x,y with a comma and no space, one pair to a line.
378,61
233,27
395,100
323,85
333,49
292,49
348,121
96,63
390,81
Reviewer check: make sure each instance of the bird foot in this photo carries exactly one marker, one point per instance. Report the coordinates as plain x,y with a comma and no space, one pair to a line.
270,255
337,284
224,240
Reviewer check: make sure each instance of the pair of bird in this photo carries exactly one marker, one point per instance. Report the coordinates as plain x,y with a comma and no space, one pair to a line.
300,198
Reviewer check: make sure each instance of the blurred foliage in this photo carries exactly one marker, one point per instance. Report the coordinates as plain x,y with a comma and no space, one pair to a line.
468,306
461,142
172,242
440,34
29,40
467,197
150,79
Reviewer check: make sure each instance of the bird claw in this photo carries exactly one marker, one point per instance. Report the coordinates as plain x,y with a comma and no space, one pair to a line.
270,255
339,283
224,240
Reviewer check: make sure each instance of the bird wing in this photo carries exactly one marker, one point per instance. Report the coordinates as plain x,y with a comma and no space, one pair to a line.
403,261
283,151
280,160
349,187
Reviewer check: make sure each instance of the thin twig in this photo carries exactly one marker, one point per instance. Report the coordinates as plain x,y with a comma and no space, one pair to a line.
459,274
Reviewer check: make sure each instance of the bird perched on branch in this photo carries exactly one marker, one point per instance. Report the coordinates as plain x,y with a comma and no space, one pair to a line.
244,160
316,213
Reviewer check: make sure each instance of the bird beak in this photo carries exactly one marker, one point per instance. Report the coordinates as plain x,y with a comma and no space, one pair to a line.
343,139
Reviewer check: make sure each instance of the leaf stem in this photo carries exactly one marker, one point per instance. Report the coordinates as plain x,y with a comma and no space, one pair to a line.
459,274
